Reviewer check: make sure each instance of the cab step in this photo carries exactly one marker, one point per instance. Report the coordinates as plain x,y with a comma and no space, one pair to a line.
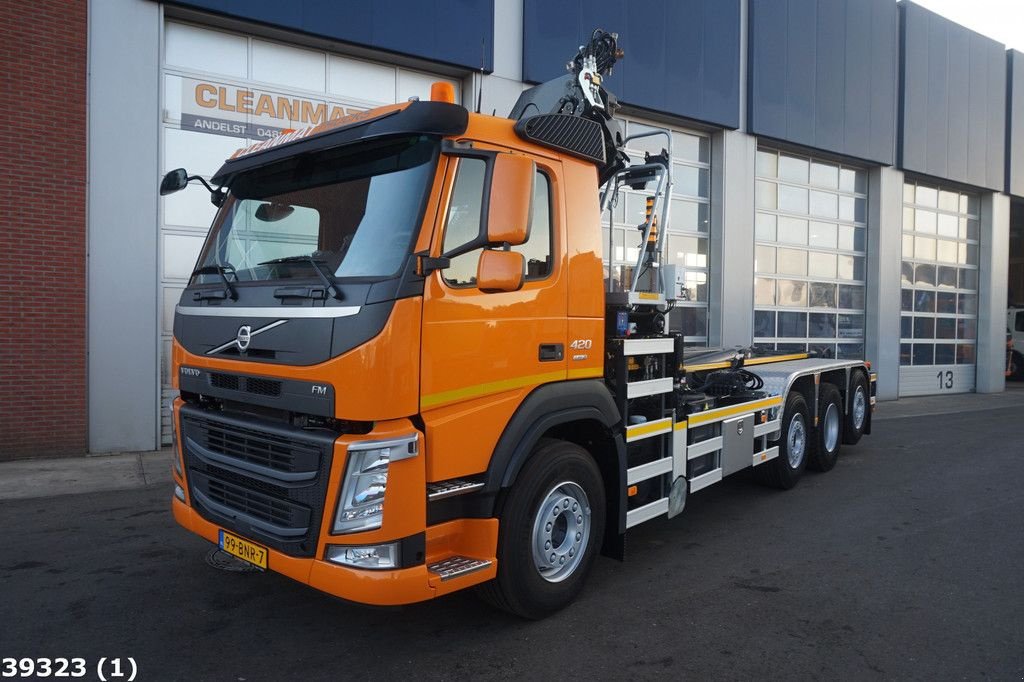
450,488
456,566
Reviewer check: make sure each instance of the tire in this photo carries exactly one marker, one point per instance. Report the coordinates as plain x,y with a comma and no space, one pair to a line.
783,472
558,477
859,404
828,435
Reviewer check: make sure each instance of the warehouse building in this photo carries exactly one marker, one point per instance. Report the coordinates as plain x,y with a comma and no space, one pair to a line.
847,174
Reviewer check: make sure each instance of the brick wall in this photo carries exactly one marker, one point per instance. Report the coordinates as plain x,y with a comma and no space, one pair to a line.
42,228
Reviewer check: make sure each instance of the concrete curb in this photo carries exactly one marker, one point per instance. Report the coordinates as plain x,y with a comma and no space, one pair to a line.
29,478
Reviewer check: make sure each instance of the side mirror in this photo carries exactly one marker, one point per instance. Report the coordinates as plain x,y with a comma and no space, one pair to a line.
499,271
174,181
510,208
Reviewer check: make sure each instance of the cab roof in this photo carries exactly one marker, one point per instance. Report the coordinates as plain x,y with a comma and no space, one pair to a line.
408,118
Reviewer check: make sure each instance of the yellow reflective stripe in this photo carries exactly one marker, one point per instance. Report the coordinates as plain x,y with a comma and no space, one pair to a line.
680,425
490,387
637,430
775,358
648,296
746,363
586,373
722,412
704,368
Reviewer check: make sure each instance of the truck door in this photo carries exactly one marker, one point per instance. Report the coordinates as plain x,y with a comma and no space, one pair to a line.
483,352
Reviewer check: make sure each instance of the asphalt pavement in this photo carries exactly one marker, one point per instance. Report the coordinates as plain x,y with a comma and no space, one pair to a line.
905,561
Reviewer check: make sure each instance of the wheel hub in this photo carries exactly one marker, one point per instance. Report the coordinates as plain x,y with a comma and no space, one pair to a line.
796,440
561,531
831,426
860,408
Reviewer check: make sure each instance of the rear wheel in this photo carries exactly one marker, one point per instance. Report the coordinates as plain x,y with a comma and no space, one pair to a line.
551,529
858,405
828,436
785,470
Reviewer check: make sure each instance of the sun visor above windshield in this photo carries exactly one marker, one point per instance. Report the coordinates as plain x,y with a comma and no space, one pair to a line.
407,118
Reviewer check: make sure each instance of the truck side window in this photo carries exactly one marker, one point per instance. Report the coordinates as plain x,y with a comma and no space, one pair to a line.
1020,321
463,224
537,249
464,215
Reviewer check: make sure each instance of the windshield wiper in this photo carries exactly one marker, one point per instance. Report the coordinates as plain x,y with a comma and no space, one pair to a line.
325,275
229,291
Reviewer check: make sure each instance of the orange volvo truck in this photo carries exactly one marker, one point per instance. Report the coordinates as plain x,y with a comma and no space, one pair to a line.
404,370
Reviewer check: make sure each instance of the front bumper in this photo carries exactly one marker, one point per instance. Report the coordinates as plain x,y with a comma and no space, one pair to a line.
404,516
383,588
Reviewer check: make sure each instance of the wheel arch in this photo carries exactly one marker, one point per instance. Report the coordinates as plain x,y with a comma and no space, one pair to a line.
581,412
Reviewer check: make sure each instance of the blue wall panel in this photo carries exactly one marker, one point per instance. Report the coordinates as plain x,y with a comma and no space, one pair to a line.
823,74
953,103
682,56
451,31
1015,123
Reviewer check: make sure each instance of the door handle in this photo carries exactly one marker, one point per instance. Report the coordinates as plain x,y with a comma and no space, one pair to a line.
550,352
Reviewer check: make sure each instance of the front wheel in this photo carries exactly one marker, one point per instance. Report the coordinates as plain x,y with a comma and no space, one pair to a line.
552,524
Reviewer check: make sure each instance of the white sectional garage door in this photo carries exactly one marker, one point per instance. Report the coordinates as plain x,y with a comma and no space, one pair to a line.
809,255
939,318
222,91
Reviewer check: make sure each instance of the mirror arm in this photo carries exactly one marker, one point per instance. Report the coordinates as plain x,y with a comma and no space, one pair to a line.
216,195
428,264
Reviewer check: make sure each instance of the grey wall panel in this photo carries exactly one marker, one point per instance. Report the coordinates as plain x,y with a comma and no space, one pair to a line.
824,74
124,40
953,101
682,56
1015,123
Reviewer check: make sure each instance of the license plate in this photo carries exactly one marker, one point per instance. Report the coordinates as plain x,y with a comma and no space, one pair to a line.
243,549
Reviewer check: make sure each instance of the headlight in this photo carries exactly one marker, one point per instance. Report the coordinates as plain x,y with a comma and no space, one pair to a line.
361,506
371,556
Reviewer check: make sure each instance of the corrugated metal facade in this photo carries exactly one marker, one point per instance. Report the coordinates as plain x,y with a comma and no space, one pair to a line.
953,101
1015,123
459,32
824,75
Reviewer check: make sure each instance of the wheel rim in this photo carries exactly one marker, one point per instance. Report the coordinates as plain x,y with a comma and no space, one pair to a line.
561,531
860,408
831,427
796,440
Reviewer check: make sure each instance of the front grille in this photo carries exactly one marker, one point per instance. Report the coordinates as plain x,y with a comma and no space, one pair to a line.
254,385
230,382
263,386
264,449
272,510
265,481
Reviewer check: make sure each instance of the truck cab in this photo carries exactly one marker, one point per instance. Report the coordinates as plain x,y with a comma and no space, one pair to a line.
372,305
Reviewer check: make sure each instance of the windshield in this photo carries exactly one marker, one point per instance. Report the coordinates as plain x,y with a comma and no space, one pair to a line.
351,212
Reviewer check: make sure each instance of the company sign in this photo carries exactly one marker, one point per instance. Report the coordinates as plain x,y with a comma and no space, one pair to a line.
236,111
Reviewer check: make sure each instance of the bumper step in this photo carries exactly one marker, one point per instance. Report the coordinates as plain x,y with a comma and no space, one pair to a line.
456,566
455,486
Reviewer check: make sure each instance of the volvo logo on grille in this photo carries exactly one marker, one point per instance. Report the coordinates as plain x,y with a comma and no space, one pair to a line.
244,337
